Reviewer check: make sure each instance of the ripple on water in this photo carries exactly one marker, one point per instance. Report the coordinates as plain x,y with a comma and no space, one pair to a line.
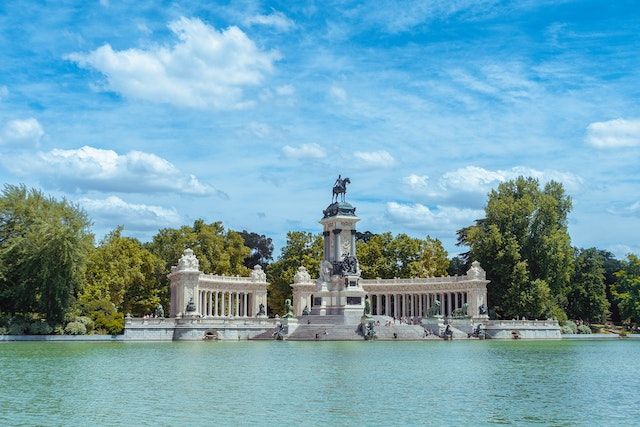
257,383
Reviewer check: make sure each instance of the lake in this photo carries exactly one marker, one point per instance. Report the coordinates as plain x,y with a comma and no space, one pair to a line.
313,383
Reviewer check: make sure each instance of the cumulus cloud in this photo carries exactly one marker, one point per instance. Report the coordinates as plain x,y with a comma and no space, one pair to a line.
90,168
114,211
22,132
474,179
420,217
304,151
380,158
614,133
277,20
205,68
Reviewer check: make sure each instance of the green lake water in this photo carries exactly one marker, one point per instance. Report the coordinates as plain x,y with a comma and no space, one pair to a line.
309,383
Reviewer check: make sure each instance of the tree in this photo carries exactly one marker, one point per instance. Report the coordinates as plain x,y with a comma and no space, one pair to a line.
611,266
433,260
219,252
43,248
457,266
627,289
385,256
522,242
261,248
587,299
302,249
122,271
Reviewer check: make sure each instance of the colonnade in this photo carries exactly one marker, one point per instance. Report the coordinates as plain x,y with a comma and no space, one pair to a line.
225,303
415,304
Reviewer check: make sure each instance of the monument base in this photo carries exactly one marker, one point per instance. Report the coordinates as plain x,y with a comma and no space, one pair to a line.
434,324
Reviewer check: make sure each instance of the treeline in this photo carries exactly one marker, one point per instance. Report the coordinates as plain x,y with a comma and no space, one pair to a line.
54,278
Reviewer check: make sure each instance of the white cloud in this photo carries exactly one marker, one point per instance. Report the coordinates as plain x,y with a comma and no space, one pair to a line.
631,210
474,179
614,133
276,19
205,68
22,132
418,216
621,250
285,90
90,168
304,151
338,93
380,158
115,211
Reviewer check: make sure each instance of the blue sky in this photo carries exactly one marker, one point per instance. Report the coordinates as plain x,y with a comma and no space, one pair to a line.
153,114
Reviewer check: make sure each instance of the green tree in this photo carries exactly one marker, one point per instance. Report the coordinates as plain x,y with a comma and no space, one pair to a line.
433,259
122,271
457,266
522,242
611,266
627,289
43,249
386,256
302,249
587,299
261,248
219,252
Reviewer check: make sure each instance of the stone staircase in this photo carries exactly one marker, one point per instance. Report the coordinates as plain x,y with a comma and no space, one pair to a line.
332,328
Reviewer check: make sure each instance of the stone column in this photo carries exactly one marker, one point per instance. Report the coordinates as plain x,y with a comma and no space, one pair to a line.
222,307
420,307
387,306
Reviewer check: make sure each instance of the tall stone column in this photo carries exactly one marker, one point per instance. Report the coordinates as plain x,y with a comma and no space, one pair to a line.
223,294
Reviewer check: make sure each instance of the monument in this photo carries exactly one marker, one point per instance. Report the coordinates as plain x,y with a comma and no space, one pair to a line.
337,289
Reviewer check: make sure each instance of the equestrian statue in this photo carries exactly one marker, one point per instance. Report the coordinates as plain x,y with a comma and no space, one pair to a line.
340,188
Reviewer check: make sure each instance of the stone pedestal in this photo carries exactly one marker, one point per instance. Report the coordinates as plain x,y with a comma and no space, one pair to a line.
434,324
290,325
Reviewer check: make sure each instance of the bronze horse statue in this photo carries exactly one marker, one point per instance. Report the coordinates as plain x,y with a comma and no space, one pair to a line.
340,188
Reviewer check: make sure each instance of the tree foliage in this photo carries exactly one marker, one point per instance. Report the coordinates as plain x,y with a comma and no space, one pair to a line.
124,272
261,248
587,299
524,246
219,251
386,256
302,249
43,248
627,289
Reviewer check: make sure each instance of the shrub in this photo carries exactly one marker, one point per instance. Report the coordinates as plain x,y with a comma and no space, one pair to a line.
559,314
565,330
572,326
18,327
4,331
58,330
75,328
39,328
86,321
584,329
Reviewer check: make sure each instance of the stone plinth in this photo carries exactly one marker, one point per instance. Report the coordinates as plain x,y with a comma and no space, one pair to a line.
434,324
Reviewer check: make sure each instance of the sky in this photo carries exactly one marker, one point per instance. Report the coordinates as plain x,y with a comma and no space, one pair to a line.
153,114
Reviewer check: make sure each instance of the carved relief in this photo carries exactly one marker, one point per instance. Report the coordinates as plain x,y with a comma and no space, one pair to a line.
301,276
188,261
257,275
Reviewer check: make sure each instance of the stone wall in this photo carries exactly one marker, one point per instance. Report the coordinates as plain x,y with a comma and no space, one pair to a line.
525,329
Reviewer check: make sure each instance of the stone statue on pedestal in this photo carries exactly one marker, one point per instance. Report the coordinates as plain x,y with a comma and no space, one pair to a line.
340,188
434,310
159,312
288,312
261,311
191,306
